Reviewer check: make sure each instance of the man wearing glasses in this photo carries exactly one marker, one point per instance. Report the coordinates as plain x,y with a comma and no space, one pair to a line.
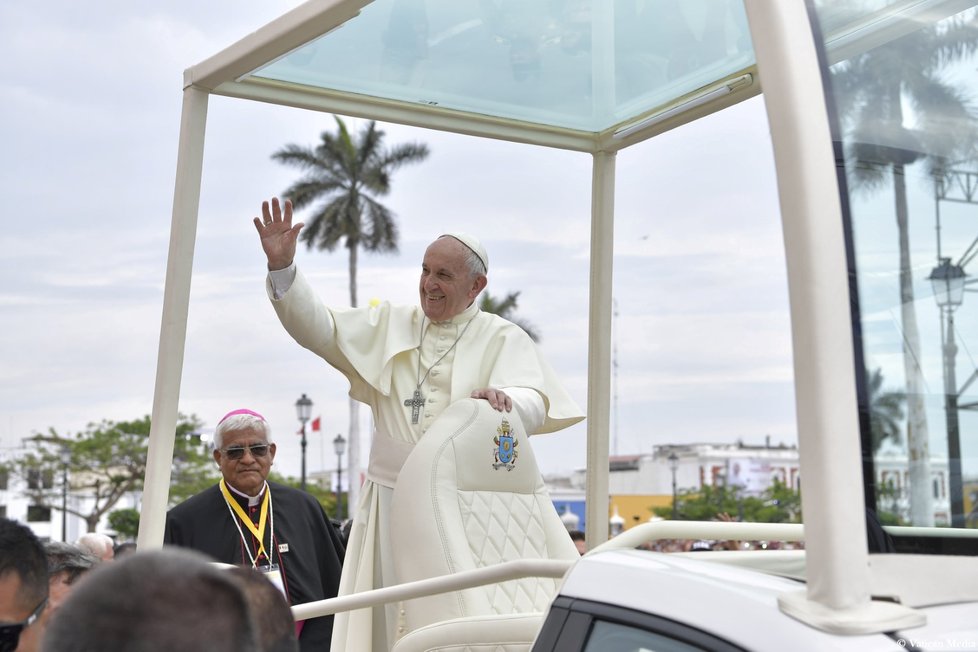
246,520
23,587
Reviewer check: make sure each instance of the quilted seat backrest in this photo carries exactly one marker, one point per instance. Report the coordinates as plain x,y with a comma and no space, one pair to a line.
469,496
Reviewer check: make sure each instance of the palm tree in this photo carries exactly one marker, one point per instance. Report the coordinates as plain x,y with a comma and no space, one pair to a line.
872,90
505,309
885,412
346,174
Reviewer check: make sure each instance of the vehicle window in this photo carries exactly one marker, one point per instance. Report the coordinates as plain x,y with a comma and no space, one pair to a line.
902,92
623,638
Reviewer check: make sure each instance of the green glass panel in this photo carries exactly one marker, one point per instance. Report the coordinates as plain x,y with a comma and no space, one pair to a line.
562,63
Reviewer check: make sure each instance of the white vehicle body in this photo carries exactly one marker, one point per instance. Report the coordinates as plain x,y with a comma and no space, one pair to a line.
692,595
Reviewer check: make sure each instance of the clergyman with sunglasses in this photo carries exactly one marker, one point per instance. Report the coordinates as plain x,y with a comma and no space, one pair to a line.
23,587
247,521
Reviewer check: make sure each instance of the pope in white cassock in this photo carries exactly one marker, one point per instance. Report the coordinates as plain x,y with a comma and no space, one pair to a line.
408,363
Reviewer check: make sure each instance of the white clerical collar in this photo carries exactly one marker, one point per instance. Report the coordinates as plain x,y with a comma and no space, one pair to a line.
252,500
462,317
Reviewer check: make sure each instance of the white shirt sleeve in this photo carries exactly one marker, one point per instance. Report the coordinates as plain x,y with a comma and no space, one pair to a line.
529,404
281,280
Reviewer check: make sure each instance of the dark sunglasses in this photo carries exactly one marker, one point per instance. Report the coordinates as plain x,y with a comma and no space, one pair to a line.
10,632
237,452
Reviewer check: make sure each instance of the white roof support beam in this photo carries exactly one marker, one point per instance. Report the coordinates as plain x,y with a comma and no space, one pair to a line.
385,110
273,41
599,345
173,329
838,591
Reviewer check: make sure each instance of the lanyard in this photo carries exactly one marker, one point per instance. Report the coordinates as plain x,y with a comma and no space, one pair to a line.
259,530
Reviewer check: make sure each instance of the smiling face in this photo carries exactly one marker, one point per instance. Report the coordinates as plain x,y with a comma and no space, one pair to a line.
447,285
247,473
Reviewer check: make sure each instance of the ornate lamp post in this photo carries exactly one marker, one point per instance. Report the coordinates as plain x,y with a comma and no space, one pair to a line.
673,466
948,281
303,409
339,445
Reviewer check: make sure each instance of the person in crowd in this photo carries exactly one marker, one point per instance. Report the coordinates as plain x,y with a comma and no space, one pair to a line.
66,563
23,587
269,611
408,363
577,536
157,601
97,544
124,548
246,520
700,545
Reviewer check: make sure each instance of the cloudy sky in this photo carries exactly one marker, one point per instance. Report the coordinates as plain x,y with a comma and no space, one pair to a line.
91,97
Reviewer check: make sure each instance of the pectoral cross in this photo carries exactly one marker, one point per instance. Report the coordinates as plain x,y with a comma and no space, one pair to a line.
415,402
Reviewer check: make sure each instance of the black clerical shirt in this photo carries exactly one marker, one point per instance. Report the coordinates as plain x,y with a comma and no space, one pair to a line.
306,547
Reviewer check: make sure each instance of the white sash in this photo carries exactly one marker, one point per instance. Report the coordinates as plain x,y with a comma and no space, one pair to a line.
387,456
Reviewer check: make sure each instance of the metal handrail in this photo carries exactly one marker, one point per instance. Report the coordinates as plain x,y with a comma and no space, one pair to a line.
719,530
510,570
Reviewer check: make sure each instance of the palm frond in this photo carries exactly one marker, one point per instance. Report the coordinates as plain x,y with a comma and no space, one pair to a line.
506,308
344,175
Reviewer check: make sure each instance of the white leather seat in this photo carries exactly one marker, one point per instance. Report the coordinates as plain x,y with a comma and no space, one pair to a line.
466,500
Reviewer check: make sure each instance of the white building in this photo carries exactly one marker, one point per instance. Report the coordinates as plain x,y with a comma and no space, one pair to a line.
49,523
753,467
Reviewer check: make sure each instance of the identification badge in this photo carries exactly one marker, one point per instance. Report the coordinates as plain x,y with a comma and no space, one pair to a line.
274,575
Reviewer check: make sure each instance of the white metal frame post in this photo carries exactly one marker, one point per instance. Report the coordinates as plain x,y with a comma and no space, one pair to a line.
173,329
838,590
599,345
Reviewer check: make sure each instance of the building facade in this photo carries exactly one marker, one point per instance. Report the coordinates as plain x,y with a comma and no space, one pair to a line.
639,483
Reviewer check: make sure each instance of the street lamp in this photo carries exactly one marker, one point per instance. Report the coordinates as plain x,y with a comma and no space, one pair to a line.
948,282
339,445
673,466
303,409
65,461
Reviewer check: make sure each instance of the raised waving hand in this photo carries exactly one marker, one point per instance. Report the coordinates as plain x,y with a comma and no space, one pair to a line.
278,234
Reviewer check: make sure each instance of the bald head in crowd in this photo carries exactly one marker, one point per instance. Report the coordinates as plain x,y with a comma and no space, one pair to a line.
100,545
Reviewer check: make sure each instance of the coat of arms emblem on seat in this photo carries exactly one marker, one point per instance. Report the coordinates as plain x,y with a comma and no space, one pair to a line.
505,451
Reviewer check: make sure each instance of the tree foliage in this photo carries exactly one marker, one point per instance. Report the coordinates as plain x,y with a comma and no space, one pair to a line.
776,504
347,174
875,88
888,505
885,412
125,522
506,308
325,497
106,462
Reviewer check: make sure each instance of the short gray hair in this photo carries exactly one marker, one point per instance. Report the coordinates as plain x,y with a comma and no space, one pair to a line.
241,421
471,259
68,559
473,262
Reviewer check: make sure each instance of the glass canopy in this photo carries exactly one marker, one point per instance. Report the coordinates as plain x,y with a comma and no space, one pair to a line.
574,64
576,74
